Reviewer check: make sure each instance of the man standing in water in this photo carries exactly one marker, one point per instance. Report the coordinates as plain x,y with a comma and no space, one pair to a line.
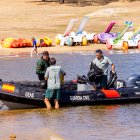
53,77
42,64
102,62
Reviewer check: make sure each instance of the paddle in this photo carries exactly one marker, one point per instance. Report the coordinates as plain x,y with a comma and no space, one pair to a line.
128,25
137,31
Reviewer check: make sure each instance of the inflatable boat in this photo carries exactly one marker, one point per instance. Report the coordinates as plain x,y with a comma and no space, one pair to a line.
16,95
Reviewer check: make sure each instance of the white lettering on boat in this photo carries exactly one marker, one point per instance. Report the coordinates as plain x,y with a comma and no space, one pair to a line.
79,98
29,94
138,82
137,93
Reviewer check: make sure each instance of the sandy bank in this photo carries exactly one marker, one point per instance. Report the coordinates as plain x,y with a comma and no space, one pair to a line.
28,18
53,49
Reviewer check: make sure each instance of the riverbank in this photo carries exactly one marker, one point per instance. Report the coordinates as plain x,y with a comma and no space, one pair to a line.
28,18
53,49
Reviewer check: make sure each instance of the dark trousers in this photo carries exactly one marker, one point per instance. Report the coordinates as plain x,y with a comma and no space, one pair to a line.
43,83
41,77
101,81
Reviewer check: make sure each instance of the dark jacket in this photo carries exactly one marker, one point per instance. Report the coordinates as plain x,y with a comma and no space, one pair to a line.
42,65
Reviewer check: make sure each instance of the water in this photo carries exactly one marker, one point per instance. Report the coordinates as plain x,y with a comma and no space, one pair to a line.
77,123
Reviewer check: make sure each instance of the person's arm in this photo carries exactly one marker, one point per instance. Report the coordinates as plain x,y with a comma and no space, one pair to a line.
47,74
46,79
112,65
113,68
62,72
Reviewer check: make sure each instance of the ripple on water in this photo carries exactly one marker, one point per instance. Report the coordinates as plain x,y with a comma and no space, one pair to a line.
77,123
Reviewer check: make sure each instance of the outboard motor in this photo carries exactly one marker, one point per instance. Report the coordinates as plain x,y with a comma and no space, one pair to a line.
133,81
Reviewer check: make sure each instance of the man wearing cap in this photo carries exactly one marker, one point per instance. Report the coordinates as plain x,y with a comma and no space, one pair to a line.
42,64
103,62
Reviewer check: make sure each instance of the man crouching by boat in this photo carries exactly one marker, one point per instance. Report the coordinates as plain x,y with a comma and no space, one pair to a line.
42,64
102,62
53,75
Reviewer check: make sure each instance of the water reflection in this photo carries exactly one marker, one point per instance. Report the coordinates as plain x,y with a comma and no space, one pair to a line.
89,122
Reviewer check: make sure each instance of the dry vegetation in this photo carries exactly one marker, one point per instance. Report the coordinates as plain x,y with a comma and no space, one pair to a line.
27,18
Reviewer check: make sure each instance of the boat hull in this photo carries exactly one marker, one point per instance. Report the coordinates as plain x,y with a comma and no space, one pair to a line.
19,95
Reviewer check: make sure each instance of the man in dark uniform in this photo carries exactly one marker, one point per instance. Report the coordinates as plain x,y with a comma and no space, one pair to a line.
42,64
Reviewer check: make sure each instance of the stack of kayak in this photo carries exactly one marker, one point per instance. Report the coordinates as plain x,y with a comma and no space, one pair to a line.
15,43
44,42
22,42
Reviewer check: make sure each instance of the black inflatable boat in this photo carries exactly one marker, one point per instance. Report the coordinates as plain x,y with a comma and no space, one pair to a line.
30,95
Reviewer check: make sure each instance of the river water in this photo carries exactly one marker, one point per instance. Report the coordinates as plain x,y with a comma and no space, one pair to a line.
112,122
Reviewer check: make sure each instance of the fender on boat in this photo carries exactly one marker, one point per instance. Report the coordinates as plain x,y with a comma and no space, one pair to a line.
111,93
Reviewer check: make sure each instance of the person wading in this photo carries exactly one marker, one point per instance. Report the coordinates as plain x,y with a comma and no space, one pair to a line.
53,77
102,62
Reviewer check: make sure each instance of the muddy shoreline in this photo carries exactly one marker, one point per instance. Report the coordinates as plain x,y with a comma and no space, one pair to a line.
53,49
